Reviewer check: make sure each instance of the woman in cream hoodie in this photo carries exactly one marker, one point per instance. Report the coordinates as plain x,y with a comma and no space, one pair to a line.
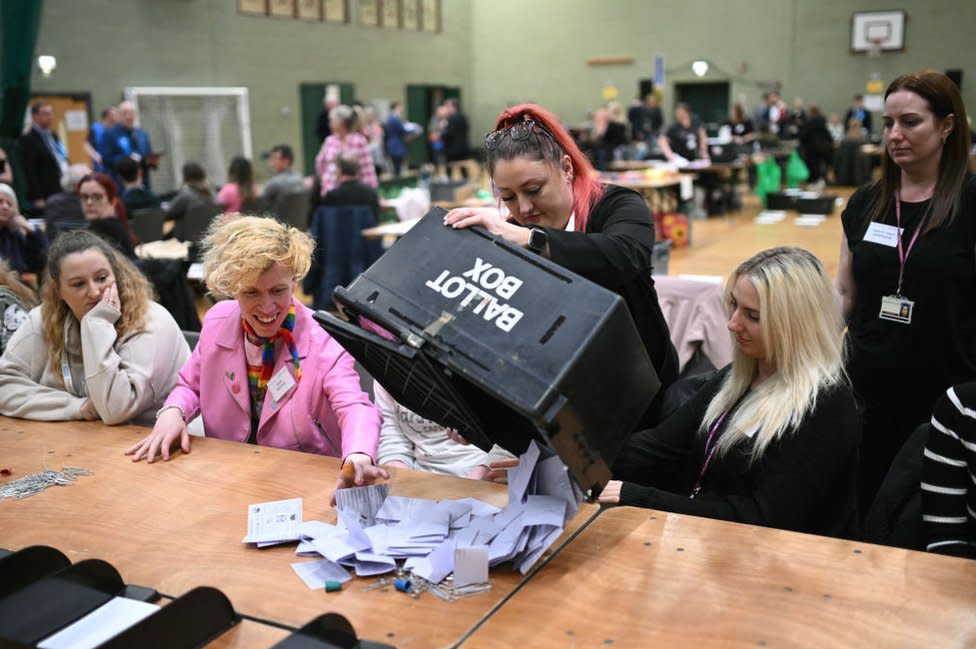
98,347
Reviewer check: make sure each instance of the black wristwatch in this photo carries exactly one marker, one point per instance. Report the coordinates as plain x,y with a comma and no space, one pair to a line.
538,240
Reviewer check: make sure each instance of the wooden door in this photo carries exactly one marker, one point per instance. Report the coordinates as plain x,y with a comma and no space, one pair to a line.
72,121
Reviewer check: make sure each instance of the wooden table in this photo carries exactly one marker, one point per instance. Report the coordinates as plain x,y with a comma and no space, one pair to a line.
661,194
177,525
640,578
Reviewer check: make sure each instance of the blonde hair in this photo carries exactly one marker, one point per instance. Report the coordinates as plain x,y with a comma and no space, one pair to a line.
801,330
134,289
238,249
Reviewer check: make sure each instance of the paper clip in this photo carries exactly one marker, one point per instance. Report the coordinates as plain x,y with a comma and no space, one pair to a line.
470,589
382,582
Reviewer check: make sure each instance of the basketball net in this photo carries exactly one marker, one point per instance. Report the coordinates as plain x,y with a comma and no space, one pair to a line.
874,48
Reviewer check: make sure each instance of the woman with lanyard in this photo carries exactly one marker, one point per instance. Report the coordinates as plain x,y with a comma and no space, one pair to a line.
263,371
98,347
558,208
907,275
772,439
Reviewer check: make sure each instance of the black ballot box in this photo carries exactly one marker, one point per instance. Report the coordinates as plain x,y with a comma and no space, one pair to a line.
500,344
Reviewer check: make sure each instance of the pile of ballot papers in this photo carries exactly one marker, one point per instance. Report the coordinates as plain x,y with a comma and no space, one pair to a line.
432,538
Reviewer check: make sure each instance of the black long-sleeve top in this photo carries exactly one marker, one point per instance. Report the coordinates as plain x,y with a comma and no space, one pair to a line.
805,481
615,252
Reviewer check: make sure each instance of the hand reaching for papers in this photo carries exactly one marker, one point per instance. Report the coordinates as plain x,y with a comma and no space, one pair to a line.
494,472
169,428
358,470
611,493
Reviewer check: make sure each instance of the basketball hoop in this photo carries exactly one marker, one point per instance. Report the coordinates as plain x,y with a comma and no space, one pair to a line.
874,47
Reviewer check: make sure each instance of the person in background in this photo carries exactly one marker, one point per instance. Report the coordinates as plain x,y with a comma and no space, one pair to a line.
396,138
408,441
264,372
16,299
135,196
22,245
797,117
345,138
350,191
237,194
95,143
640,123
609,133
858,117
285,179
43,155
948,467
195,192
771,439
6,169
435,136
654,115
373,131
743,130
769,115
558,208
98,347
908,240
126,140
816,145
455,133
685,139
63,210
103,209
323,125
836,128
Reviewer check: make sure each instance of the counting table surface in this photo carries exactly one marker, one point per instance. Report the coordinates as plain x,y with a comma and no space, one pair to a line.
177,525
621,577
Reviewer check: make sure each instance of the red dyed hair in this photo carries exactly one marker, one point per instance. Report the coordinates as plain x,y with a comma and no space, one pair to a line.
587,188
111,195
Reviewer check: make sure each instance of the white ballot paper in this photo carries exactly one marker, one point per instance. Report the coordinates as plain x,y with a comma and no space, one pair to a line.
433,537
470,565
316,573
106,621
278,520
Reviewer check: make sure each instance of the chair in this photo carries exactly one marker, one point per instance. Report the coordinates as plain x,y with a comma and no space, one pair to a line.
291,208
341,251
147,224
895,516
197,220
191,338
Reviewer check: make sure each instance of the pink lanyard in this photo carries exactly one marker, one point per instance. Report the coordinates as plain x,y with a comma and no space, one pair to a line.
710,446
903,256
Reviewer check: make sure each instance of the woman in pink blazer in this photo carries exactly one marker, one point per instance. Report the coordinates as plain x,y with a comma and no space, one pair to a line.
263,371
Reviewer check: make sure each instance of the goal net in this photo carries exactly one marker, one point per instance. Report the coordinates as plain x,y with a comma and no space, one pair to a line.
205,125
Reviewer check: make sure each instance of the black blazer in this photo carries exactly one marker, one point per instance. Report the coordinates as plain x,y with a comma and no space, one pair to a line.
615,252
42,170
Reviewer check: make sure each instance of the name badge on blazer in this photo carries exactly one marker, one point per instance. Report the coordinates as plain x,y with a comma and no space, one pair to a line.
280,383
881,234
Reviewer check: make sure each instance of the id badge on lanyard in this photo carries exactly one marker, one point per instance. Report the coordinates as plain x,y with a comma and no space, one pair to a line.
897,307
69,383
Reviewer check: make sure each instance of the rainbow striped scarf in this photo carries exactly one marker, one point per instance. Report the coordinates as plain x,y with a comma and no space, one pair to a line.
258,381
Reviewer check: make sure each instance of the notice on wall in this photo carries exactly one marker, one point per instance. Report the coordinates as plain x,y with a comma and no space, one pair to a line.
76,120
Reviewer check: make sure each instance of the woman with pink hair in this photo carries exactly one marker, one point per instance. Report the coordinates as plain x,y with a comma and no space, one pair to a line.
558,208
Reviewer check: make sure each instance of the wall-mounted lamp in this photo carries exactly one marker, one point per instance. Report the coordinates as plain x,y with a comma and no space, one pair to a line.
46,63
699,67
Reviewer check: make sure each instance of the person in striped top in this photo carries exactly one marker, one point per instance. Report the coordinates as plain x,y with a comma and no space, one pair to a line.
949,475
